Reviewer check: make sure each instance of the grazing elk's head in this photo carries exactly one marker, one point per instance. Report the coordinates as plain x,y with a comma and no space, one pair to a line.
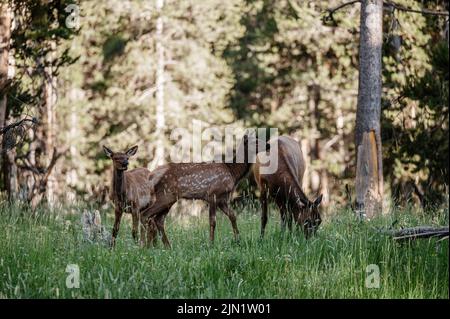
309,219
120,159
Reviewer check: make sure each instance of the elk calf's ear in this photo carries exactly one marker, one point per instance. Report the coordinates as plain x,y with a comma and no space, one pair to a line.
132,151
318,200
107,151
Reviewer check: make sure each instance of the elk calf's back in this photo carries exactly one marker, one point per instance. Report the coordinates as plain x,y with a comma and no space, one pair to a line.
197,180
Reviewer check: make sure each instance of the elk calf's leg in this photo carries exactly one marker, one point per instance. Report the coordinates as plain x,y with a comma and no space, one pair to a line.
115,231
160,224
229,212
289,220
263,200
135,230
151,233
143,227
283,214
143,234
212,221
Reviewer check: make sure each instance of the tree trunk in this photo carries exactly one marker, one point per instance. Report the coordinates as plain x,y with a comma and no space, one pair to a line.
5,35
160,117
45,133
313,101
369,201
340,130
72,177
8,166
50,120
306,151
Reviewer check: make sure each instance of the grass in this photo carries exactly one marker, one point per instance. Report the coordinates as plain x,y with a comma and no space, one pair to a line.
35,251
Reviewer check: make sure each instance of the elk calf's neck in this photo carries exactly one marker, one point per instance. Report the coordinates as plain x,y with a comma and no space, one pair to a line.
118,187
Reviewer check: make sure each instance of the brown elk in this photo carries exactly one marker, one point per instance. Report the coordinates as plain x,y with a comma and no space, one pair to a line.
211,182
284,186
131,190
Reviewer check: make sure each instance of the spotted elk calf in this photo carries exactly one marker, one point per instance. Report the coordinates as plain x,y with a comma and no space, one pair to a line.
213,183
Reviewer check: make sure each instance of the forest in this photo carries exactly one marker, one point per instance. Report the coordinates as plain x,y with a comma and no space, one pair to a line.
361,85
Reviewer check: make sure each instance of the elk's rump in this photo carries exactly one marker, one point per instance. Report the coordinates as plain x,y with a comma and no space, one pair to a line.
290,167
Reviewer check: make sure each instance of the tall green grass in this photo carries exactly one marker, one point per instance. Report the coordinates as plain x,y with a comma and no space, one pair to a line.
35,251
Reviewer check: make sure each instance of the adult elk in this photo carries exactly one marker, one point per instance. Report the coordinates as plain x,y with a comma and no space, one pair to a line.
284,186
211,182
131,190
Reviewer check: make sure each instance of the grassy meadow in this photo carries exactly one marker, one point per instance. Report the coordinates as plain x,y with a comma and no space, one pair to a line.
35,251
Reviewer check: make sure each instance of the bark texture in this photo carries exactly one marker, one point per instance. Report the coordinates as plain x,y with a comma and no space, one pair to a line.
367,133
160,116
9,167
5,34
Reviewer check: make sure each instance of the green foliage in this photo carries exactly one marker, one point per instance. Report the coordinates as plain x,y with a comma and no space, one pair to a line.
239,62
110,92
37,25
415,120
113,46
35,251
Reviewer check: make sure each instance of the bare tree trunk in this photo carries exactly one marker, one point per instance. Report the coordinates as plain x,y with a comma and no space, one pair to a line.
160,117
9,167
49,123
340,130
313,101
446,31
5,35
306,151
10,173
72,178
324,187
367,135
45,188
28,176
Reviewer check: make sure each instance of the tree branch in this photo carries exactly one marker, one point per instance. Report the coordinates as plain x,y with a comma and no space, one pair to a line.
56,155
40,185
329,17
421,11
419,232
6,128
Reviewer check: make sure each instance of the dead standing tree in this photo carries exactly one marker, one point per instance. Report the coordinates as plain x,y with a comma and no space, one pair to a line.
369,167
7,161
13,135
39,189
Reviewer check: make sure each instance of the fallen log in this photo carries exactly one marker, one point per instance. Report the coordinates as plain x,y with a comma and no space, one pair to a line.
419,232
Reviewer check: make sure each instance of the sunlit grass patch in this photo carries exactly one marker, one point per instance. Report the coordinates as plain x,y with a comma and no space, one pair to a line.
35,251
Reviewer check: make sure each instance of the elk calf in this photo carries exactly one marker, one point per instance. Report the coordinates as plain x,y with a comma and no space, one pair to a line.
284,186
211,182
131,190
